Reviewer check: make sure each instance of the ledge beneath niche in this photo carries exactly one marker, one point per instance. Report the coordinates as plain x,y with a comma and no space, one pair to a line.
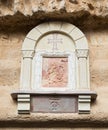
93,94
54,101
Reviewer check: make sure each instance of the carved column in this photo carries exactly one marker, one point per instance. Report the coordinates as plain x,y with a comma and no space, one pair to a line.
83,68
83,100
26,70
24,99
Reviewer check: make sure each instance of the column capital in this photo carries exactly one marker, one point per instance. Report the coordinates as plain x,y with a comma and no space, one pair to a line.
82,53
28,53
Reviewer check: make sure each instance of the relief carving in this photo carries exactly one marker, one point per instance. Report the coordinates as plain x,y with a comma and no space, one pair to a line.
28,54
55,41
55,72
54,104
82,53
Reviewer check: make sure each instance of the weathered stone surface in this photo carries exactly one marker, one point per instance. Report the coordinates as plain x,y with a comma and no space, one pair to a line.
52,128
28,13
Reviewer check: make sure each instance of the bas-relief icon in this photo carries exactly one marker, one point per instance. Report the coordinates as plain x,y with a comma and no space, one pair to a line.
55,72
54,104
55,41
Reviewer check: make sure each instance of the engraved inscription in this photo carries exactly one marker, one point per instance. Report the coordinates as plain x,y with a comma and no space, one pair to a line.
55,41
54,104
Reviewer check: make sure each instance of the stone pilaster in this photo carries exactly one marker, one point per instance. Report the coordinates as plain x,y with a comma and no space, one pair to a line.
83,68
83,100
26,69
24,99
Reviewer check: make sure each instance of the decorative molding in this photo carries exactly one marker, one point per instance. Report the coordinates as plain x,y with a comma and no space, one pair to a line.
62,27
82,53
84,104
31,74
28,53
23,103
37,76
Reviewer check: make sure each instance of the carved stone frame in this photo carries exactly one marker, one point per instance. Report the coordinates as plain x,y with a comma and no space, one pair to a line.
81,48
36,82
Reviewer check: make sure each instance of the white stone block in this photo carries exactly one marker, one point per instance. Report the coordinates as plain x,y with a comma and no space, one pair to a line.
55,26
34,34
76,34
23,96
67,27
28,44
23,106
43,28
81,43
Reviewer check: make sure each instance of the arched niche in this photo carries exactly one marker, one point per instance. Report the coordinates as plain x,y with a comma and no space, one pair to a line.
56,40
40,32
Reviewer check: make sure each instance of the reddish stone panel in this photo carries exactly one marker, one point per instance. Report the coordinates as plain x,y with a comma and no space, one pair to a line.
54,104
54,72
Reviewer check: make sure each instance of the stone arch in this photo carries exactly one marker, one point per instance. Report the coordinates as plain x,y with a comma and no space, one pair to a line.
72,31
81,48
82,92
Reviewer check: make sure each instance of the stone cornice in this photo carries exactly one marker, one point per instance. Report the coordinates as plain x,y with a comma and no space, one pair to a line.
91,93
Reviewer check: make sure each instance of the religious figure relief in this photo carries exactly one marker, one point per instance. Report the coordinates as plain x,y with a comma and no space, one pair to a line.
55,72
55,41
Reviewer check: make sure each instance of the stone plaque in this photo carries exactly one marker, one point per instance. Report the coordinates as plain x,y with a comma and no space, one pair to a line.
55,72
54,104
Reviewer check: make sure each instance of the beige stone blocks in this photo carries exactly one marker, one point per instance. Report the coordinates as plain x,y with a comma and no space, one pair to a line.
76,34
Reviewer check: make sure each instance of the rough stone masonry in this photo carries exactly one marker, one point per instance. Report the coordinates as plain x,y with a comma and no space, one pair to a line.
27,13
